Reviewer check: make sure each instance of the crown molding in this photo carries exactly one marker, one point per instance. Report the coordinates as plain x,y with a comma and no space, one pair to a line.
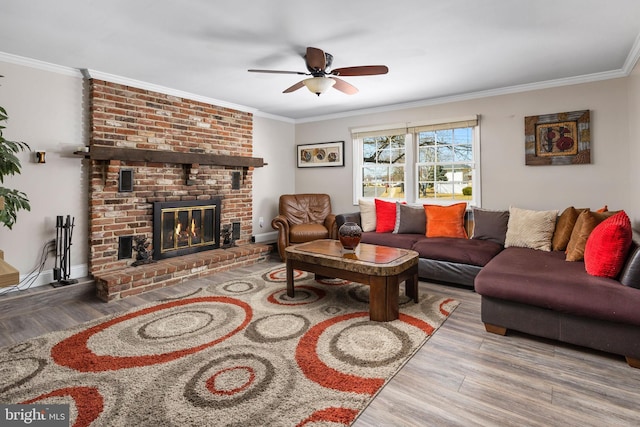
262,114
112,78
627,68
632,58
40,65
588,78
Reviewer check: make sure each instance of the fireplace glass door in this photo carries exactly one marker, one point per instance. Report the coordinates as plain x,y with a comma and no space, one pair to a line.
187,227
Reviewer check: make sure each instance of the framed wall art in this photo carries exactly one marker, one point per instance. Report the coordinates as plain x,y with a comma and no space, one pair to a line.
320,155
558,139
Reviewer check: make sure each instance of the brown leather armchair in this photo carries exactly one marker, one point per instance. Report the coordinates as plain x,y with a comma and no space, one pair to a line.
303,218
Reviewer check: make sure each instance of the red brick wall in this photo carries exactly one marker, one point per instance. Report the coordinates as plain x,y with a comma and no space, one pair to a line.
123,116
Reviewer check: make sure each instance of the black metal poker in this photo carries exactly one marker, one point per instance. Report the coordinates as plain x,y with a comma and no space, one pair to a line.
64,234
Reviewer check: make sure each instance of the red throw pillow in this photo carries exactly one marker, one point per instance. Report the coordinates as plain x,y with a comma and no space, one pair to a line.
446,221
607,246
385,216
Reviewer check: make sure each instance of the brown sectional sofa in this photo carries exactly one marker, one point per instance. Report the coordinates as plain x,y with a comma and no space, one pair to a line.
539,293
442,259
533,291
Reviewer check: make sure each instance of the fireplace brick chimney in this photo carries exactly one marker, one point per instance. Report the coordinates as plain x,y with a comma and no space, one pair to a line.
133,118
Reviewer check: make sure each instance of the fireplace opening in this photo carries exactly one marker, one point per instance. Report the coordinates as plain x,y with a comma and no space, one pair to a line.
185,227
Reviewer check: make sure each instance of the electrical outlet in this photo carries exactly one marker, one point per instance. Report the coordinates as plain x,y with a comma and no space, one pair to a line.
261,222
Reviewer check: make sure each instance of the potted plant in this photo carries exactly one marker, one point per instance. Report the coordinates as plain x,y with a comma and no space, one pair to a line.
13,200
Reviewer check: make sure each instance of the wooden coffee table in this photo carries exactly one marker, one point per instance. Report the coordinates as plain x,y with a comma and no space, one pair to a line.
381,267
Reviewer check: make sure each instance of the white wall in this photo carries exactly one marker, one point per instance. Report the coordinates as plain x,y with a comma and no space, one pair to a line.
46,110
272,140
634,147
506,180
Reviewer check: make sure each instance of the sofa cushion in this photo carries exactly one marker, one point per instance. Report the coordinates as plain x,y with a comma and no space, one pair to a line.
607,246
545,279
410,219
446,221
367,215
403,241
385,216
490,225
530,229
564,227
586,222
463,251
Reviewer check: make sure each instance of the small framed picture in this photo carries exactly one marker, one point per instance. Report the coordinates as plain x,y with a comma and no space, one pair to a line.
323,154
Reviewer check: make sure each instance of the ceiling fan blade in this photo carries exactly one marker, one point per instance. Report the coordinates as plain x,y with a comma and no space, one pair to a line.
294,87
345,87
363,70
278,72
316,59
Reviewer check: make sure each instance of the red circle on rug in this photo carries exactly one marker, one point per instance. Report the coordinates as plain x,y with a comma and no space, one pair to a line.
333,415
211,382
88,400
442,305
74,353
317,371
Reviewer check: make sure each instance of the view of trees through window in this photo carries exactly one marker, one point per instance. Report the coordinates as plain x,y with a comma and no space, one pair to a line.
383,166
445,164
418,164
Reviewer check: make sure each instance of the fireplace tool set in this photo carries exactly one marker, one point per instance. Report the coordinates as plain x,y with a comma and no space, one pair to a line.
64,232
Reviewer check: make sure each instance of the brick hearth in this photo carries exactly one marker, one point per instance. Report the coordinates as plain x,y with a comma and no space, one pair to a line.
134,280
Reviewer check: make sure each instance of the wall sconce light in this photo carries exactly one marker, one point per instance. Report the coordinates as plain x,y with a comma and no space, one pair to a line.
40,156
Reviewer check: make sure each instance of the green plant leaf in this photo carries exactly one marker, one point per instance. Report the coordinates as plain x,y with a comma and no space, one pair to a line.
14,200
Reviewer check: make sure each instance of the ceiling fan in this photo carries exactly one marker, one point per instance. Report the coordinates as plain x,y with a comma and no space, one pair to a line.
318,65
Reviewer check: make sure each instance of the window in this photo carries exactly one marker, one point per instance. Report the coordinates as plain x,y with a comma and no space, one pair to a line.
381,168
431,163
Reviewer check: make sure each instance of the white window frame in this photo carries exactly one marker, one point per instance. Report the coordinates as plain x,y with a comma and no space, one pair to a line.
411,159
357,136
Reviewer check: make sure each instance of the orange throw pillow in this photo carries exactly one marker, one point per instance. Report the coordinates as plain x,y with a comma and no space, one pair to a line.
564,227
446,221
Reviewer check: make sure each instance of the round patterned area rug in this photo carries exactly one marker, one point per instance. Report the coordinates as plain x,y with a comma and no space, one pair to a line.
240,353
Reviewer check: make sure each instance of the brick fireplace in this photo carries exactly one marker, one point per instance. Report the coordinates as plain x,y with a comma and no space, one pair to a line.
150,148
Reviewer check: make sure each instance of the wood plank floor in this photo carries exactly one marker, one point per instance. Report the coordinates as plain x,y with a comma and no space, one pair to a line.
463,376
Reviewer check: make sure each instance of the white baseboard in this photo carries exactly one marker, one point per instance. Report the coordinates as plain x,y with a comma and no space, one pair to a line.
270,237
28,281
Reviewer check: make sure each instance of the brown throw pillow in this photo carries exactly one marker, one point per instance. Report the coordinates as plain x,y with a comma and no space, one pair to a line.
585,224
490,225
410,219
564,227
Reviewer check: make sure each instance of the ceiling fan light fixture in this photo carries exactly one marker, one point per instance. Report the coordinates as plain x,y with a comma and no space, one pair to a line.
318,85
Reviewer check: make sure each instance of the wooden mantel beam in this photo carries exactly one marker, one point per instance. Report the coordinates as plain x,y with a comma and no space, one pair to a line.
156,156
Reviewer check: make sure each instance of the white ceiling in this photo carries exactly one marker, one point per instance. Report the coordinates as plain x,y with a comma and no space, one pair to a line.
434,48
